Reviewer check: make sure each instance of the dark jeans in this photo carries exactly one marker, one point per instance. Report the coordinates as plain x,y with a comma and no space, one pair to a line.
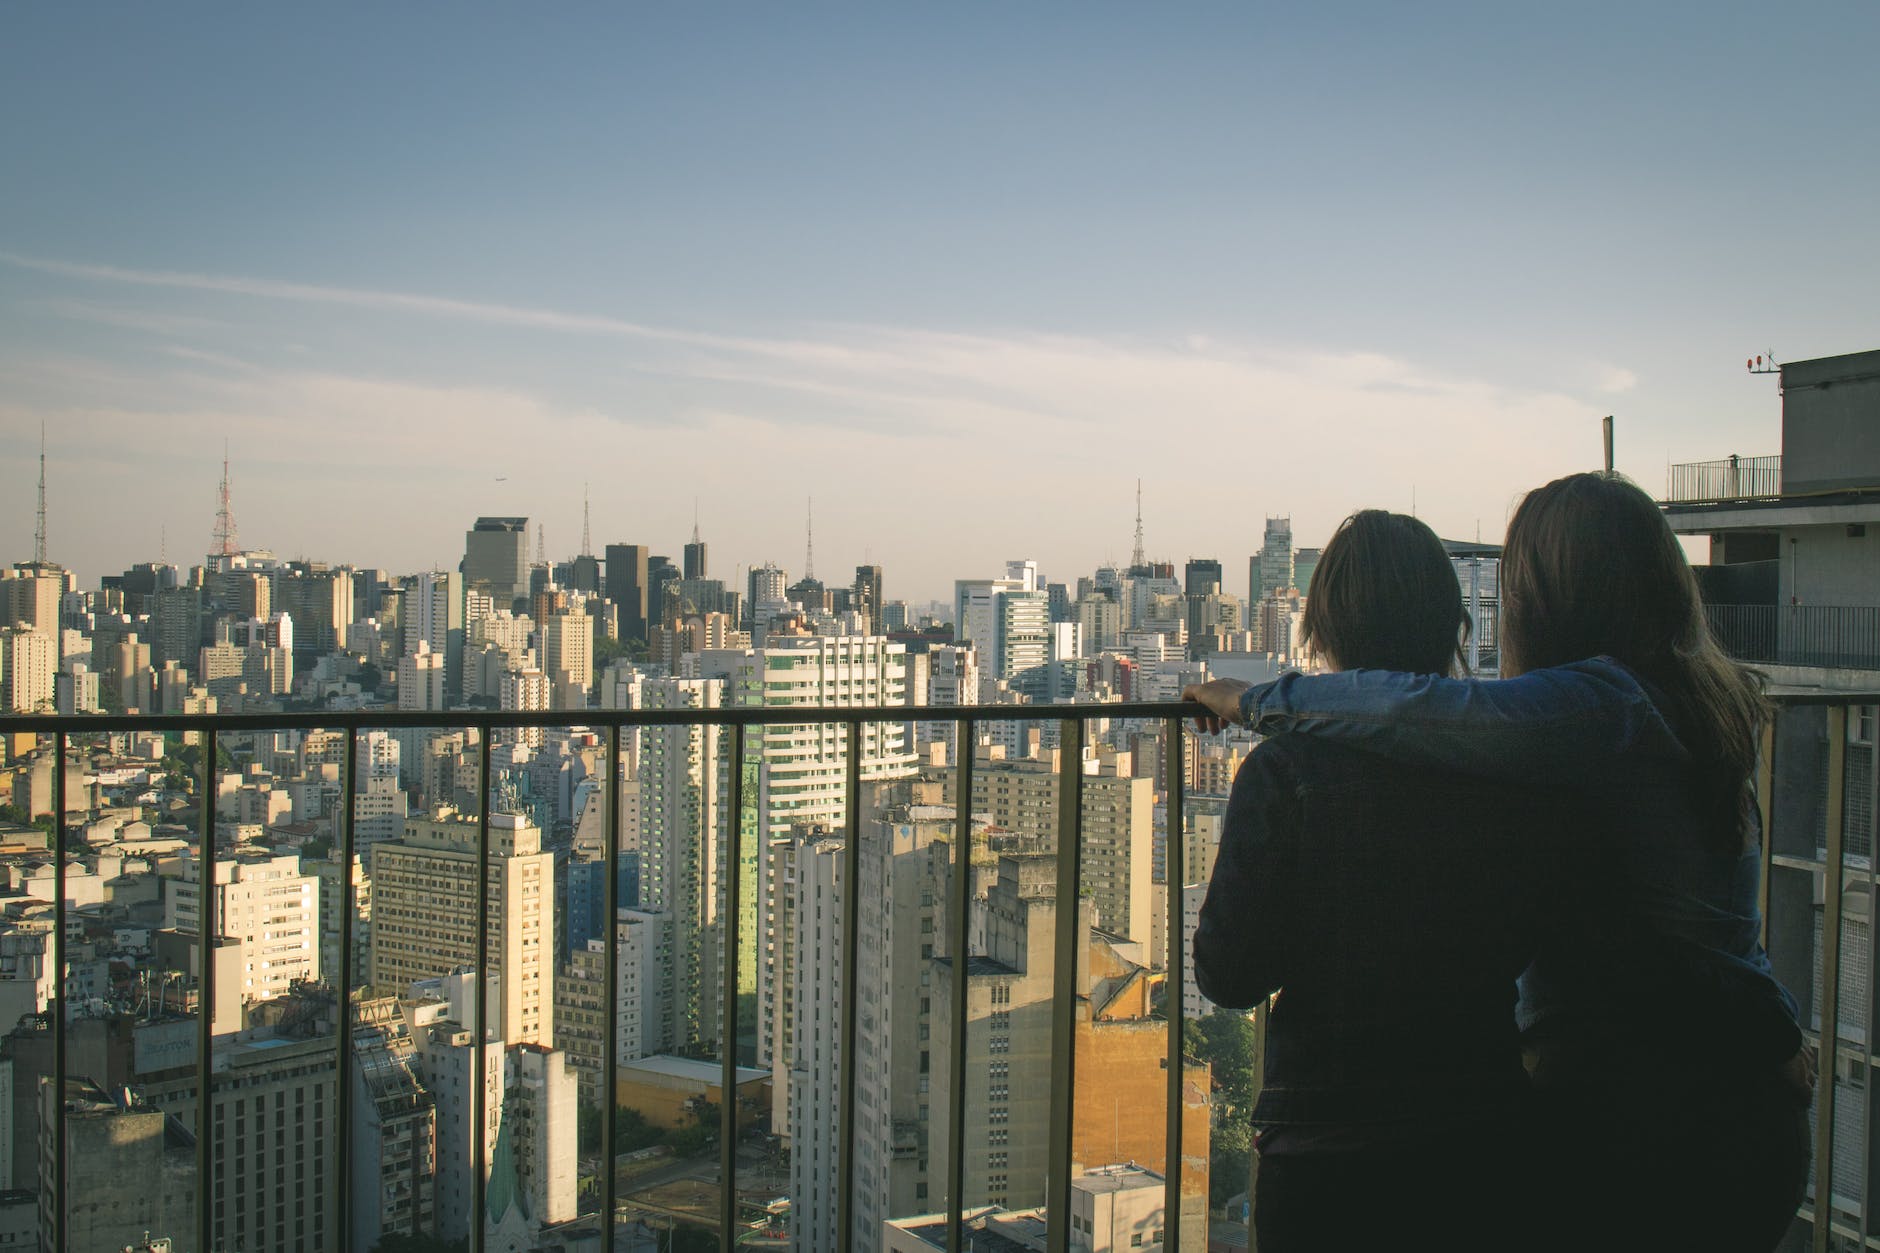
1717,1162
1459,1190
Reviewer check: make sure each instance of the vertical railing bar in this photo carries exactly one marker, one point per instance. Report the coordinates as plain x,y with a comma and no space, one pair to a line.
1873,910
1070,828
1765,809
479,1114
731,920
850,905
960,913
206,926
60,1152
1832,877
1174,877
342,1075
610,994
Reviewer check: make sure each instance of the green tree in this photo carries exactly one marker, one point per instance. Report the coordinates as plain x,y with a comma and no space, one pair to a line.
1225,1040
700,1135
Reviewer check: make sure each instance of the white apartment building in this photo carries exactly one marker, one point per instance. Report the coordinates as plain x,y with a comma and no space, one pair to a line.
802,774
421,680
814,1065
267,904
952,679
524,690
29,662
682,826
568,657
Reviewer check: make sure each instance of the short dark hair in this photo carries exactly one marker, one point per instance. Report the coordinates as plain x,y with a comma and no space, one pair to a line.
1384,597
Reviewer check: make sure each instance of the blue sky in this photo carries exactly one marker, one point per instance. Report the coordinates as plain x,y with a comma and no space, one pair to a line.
963,272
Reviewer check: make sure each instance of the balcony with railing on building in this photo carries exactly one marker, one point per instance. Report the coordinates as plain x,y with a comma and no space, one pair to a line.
1792,583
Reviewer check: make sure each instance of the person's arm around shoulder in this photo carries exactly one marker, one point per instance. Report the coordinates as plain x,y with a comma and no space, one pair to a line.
1546,726
1240,947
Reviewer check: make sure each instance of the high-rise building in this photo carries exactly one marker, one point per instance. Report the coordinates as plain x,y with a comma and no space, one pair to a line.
695,558
320,600
29,662
568,657
393,1154
273,1089
682,828
434,613
1305,561
1009,621
866,597
802,771
627,577
900,897
1020,796
1121,1054
29,595
424,915
496,558
526,690
422,680
1273,565
176,626
660,575
269,906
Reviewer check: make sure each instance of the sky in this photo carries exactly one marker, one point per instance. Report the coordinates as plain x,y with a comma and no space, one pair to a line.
961,274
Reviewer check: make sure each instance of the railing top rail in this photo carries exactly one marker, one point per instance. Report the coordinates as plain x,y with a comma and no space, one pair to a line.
505,719
600,719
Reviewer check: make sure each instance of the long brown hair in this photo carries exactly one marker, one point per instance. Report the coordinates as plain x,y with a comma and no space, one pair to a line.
1591,568
1384,597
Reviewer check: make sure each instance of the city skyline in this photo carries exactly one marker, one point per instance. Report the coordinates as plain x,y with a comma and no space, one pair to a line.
961,280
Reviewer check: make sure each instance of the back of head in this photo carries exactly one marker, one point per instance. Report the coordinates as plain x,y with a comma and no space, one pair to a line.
1384,597
1591,568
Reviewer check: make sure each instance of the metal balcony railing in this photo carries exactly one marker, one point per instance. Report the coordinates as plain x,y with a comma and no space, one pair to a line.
1817,794
738,722
1841,637
1733,478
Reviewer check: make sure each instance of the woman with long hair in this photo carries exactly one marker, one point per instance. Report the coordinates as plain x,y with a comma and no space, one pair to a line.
1666,1058
1392,908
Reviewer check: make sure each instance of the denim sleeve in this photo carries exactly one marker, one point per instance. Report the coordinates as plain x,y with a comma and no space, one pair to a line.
1239,945
1552,726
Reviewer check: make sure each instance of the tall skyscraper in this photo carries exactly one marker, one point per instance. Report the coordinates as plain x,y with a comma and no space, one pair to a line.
1009,622
627,587
866,597
661,574
1305,561
496,558
434,609
695,558
1273,567
1201,576
682,828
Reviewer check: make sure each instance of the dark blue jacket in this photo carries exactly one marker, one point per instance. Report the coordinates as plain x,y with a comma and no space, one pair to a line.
1392,907
1659,958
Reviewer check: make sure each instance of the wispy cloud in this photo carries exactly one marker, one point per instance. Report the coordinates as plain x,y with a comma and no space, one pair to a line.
1015,437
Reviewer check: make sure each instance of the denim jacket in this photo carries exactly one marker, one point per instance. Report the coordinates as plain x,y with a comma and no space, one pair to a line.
1393,908
1663,951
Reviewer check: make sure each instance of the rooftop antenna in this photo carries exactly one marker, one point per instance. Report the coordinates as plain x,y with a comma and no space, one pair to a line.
227,541
809,541
39,534
1137,558
587,542
695,519
541,543
1763,365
